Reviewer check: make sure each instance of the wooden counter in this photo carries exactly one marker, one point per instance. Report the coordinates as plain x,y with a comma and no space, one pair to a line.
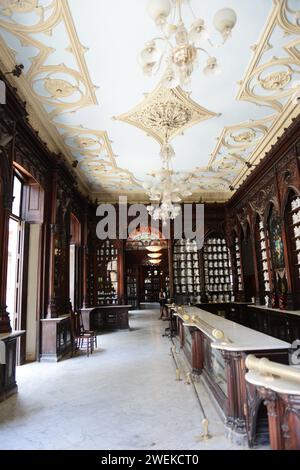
56,338
282,324
282,399
106,317
222,364
8,357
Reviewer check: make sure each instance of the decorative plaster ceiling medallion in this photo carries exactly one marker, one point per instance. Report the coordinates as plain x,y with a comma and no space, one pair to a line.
165,113
18,6
276,80
59,88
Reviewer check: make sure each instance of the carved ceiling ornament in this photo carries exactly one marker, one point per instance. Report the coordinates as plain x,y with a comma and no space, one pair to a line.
96,159
165,113
261,201
274,74
59,88
235,147
267,82
65,89
9,7
276,80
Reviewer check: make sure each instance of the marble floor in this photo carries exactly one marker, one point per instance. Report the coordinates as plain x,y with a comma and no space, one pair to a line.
122,397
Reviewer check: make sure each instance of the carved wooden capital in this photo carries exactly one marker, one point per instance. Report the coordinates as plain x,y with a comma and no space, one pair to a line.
269,397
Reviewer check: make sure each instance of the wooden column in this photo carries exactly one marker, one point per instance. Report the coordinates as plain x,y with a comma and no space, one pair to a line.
289,299
6,182
84,230
65,265
171,269
121,271
271,402
52,301
4,316
254,254
197,350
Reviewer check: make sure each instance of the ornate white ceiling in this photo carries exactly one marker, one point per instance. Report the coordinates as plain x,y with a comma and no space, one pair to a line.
69,47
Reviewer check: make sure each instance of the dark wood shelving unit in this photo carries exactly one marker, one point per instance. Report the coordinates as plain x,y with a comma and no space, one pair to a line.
187,273
151,284
104,274
132,287
292,228
217,270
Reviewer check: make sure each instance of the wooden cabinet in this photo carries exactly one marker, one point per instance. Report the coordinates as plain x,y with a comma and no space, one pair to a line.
8,384
57,341
281,398
102,318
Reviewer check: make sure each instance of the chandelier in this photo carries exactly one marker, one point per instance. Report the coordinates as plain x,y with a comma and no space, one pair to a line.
167,189
182,47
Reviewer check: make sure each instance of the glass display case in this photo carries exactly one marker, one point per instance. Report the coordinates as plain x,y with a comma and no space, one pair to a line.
214,364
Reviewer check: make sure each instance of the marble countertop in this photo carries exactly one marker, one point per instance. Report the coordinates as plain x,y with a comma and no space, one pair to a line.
276,384
58,319
105,306
12,334
264,307
237,337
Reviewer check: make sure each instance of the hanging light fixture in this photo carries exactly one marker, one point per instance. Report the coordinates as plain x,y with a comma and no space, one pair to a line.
168,188
155,261
153,248
154,255
182,47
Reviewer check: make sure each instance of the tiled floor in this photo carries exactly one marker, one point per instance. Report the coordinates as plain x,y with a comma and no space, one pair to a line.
123,397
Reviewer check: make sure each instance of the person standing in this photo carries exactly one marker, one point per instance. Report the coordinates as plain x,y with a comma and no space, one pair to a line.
162,302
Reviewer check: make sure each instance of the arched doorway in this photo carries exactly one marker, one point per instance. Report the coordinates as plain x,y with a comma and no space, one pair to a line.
146,267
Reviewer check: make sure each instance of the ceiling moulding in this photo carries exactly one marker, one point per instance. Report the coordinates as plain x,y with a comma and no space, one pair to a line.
269,82
96,158
141,198
64,90
165,113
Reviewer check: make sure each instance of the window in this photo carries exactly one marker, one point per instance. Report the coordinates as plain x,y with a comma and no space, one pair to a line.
17,197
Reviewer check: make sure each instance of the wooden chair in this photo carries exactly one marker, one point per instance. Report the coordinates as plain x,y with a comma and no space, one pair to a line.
80,340
91,332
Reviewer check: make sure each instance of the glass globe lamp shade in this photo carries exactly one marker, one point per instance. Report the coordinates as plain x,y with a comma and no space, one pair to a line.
148,69
150,54
154,255
198,32
153,248
224,21
155,261
159,10
212,68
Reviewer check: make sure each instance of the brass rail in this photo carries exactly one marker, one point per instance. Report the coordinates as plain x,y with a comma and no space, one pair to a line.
266,367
